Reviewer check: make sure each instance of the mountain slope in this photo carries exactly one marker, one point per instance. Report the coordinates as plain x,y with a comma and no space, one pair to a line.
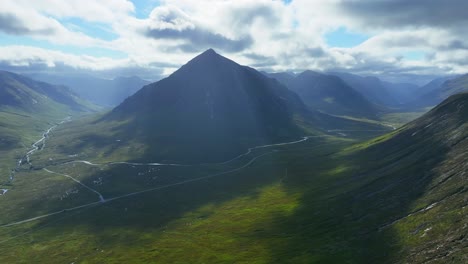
440,89
27,109
29,95
97,90
370,87
210,109
282,77
400,198
433,85
402,92
330,94
419,184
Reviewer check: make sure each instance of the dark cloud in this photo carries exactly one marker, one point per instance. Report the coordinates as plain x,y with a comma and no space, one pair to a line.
315,52
199,39
245,16
257,57
405,13
11,24
455,45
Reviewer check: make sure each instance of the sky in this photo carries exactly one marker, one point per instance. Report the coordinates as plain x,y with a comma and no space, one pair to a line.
397,40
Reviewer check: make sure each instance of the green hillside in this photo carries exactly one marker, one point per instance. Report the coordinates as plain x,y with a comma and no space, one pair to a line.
27,109
397,198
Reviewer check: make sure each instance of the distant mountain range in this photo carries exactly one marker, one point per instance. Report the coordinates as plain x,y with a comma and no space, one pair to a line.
24,94
100,91
440,89
375,90
328,94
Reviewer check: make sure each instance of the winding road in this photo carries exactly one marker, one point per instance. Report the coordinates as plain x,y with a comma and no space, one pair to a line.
102,200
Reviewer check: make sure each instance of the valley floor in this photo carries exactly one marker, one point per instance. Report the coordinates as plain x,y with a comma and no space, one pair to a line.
316,200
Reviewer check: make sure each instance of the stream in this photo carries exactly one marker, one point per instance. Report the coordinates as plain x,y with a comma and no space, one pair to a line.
38,145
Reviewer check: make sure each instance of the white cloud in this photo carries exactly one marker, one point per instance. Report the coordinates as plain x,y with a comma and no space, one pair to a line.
90,10
267,34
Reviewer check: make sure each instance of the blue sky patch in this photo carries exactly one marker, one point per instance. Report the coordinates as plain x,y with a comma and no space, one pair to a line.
343,38
144,8
95,30
414,55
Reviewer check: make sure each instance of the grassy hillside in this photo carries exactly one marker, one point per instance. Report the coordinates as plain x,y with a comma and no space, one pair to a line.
27,109
400,197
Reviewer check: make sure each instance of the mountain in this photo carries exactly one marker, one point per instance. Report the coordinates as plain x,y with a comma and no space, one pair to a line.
421,182
209,110
330,94
25,94
27,109
372,88
100,91
399,198
402,92
282,77
433,85
440,89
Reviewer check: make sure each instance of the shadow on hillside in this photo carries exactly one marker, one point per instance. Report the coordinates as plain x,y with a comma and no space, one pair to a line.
337,221
345,220
124,221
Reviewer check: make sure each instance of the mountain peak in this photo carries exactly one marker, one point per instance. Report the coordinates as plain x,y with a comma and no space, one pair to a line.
227,108
210,51
208,54
207,62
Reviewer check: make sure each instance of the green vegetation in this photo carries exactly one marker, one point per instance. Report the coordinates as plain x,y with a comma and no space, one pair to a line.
27,109
398,119
342,196
400,197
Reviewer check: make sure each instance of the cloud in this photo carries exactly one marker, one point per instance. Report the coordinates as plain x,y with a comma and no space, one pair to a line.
199,39
11,24
171,23
267,34
402,13
88,10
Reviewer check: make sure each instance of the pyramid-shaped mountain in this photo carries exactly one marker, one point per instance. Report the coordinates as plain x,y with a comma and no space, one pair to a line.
211,109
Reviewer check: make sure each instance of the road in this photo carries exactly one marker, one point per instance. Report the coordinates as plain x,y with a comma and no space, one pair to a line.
103,201
101,198
130,194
